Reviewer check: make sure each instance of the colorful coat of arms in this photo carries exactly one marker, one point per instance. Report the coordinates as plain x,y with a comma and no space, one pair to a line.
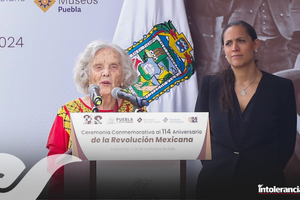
163,60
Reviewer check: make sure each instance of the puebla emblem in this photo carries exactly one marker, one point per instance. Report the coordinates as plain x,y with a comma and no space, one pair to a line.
162,59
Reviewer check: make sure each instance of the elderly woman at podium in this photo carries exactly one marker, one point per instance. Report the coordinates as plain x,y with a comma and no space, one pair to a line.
100,70
101,64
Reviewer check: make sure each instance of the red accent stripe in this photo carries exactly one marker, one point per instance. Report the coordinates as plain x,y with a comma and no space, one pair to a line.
189,60
78,106
158,32
84,104
68,113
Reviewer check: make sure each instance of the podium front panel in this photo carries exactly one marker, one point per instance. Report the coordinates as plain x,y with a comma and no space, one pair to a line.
138,179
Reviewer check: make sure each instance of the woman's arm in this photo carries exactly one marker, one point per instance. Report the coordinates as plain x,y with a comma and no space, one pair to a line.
288,122
202,104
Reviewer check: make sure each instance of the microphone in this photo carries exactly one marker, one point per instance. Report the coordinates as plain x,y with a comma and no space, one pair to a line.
118,93
96,97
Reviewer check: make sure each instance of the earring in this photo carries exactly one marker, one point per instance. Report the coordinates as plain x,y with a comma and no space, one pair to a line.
225,56
255,51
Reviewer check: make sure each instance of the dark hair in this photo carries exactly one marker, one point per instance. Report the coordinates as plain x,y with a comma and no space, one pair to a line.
227,75
249,29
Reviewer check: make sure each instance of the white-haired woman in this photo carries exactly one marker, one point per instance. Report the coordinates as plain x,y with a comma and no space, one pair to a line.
106,65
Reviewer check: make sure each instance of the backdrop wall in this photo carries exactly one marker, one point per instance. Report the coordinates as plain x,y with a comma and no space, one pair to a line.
36,77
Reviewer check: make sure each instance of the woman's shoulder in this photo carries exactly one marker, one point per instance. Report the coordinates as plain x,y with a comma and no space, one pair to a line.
275,79
76,105
211,79
280,85
211,76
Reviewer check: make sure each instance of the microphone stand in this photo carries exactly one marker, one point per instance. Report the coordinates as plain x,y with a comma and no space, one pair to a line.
141,102
95,109
137,109
93,166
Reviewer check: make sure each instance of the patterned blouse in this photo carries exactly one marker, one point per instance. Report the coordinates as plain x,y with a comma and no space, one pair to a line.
59,140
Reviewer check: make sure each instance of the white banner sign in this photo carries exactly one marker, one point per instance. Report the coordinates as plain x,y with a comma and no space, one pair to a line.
140,136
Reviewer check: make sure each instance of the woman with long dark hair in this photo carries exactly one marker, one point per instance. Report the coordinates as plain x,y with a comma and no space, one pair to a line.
252,119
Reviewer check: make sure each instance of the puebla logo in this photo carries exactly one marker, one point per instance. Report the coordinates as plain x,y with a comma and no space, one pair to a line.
44,4
163,60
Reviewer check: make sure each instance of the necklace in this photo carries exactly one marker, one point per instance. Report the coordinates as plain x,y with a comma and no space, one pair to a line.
244,89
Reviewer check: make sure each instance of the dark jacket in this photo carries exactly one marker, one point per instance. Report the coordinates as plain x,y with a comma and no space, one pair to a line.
269,138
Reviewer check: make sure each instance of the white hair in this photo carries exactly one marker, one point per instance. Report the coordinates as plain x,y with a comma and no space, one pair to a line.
81,69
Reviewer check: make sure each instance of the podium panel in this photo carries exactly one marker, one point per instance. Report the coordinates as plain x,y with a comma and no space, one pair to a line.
140,136
135,155
138,179
77,181
124,180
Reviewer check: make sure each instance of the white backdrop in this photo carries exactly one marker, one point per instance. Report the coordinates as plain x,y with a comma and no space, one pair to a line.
37,78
